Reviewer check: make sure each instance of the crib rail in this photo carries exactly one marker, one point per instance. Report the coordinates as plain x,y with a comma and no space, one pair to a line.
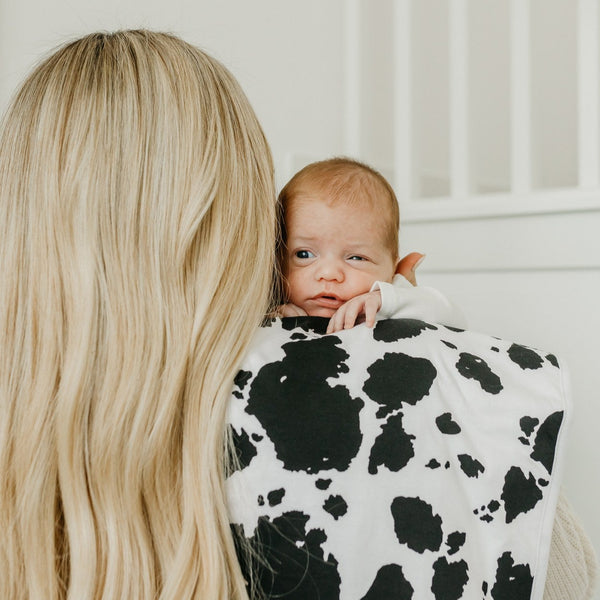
522,193
520,99
589,69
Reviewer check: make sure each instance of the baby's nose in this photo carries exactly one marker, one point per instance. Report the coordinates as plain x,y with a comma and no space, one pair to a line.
330,270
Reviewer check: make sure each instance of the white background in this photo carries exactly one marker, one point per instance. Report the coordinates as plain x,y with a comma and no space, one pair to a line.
533,278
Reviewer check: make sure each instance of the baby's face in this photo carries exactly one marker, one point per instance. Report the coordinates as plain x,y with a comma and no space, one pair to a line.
334,252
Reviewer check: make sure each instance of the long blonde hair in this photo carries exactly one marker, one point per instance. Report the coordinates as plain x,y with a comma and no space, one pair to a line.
137,227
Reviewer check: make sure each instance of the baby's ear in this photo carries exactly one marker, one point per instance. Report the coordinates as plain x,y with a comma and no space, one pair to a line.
408,265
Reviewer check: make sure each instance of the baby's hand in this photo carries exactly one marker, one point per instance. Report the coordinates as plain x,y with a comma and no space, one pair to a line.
365,305
289,310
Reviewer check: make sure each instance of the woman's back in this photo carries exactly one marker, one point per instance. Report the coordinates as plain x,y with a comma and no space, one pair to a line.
136,196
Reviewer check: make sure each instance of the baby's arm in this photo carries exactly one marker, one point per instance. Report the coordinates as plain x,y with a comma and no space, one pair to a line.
400,299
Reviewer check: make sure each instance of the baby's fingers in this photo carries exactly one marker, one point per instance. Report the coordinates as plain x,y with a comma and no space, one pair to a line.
353,309
337,320
345,316
371,307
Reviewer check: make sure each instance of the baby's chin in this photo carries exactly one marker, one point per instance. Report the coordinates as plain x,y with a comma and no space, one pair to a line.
321,311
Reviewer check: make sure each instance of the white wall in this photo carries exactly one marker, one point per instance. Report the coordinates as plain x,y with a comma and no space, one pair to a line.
288,56
534,279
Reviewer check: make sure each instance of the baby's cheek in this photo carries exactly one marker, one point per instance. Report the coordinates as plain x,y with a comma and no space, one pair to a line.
293,286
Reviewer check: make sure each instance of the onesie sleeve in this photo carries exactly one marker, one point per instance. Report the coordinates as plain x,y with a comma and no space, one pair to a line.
401,299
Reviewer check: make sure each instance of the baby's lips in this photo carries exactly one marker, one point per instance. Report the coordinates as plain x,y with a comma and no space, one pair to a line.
328,301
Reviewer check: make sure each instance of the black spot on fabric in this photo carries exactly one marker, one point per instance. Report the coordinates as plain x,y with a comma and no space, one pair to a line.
416,525
447,425
393,447
456,541
298,336
526,358
238,394
433,464
486,518
552,360
276,496
312,425
336,506
447,465
292,563
308,324
449,579
322,484
484,587
493,506
257,437
455,329
519,493
528,424
524,441
513,582
545,440
473,367
389,583
543,482
260,500
392,330
494,349
242,378
470,466
244,448
450,345
398,378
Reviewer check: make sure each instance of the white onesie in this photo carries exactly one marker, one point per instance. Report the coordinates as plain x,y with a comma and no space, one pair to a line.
401,299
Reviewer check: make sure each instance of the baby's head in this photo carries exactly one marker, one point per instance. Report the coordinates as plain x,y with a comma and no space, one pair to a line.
339,221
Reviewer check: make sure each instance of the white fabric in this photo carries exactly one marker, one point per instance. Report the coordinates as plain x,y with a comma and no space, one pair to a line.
401,299
296,377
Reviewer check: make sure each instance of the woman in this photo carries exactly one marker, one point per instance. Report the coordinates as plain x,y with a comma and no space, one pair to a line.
136,200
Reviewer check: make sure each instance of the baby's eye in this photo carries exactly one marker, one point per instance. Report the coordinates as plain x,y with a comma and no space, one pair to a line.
356,258
304,254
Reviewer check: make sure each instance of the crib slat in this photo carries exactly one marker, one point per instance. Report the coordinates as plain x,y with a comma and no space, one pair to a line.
403,154
459,100
588,69
520,96
352,79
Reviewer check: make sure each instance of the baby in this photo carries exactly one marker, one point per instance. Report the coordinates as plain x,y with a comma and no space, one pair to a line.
339,256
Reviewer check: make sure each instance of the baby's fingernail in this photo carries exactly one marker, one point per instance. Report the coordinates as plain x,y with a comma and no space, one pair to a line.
418,263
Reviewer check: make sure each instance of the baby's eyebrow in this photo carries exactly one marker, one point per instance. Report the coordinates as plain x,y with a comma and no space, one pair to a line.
360,245
300,239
